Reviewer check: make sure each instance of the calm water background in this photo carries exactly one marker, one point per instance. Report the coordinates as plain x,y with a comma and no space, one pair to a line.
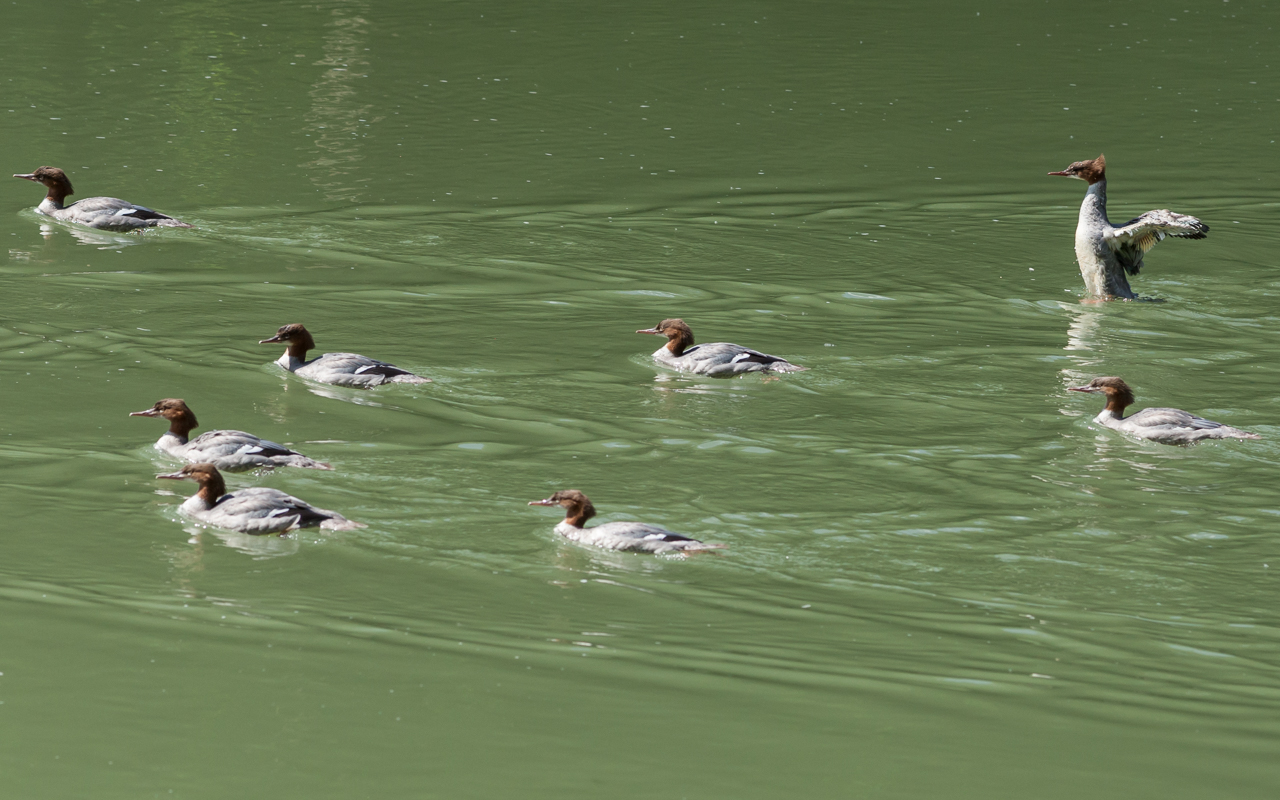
942,579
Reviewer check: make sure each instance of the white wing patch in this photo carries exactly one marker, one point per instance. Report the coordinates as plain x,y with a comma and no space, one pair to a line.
1152,227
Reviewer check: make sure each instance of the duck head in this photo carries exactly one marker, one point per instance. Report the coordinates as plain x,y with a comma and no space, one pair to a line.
296,336
54,179
577,508
679,337
212,486
1119,395
181,419
1091,171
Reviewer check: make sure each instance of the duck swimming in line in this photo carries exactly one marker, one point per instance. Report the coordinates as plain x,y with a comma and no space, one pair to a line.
718,359
340,369
636,536
1164,425
229,450
253,510
104,213
1105,251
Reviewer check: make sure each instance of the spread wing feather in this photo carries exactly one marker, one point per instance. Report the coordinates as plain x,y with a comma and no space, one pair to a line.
1131,241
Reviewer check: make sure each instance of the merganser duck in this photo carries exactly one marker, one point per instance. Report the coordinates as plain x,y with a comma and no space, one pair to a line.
341,369
1165,425
1105,251
718,359
105,213
254,510
229,450
616,535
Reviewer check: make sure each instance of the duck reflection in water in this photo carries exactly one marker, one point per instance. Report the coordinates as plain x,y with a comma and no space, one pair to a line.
103,240
1084,340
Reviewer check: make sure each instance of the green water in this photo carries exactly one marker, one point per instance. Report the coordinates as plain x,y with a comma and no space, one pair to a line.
942,579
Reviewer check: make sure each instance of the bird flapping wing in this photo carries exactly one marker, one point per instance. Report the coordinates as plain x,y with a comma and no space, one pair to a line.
1133,239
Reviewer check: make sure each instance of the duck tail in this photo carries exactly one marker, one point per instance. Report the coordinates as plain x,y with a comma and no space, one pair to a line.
703,547
307,463
337,523
786,366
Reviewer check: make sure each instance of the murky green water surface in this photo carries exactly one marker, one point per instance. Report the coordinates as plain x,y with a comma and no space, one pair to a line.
942,579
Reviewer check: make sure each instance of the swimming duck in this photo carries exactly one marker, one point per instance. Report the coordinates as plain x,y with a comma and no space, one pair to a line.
615,535
718,359
229,450
105,213
1165,425
1105,251
253,510
340,369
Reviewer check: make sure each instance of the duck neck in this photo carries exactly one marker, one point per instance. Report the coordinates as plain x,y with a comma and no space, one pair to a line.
1117,403
679,342
1095,200
54,197
181,426
211,490
294,356
577,515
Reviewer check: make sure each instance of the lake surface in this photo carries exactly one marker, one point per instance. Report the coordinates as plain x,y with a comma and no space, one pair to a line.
942,579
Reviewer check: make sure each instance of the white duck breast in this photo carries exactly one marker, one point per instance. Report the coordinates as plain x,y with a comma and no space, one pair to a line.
637,536
723,359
